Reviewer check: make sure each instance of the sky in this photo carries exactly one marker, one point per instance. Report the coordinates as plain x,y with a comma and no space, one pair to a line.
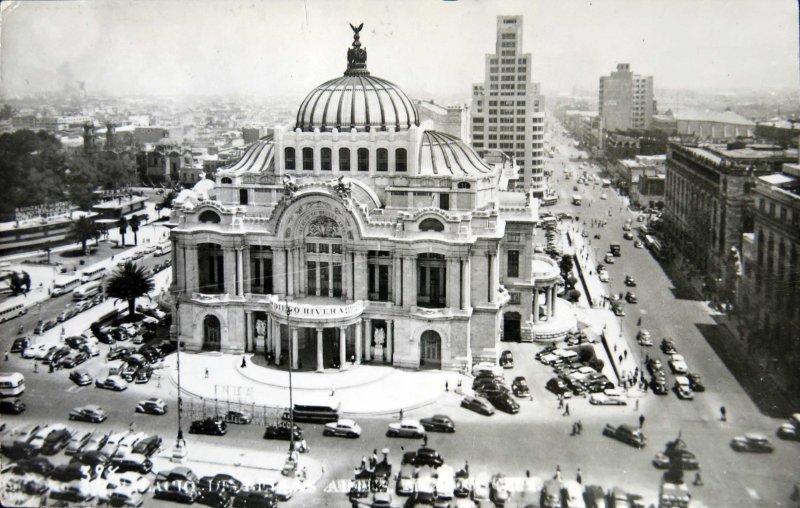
427,47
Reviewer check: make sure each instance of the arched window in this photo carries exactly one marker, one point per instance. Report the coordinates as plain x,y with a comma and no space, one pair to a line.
242,196
344,159
464,185
308,159
363,159
209,216
226,180
401,159
383,159
289,157
325,159
431,225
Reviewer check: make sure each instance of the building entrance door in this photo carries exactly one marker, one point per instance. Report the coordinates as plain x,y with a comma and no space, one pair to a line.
511,326
431,350
211,333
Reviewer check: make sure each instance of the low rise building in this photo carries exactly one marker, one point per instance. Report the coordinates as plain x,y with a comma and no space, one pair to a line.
705,125
452,119
642,178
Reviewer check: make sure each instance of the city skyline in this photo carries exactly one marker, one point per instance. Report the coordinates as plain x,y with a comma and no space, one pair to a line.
276,48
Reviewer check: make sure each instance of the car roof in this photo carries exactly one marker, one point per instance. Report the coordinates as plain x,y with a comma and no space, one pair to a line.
345,421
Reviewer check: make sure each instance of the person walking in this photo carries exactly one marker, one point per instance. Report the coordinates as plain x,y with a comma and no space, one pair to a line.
401,414
446,386
560,401
425,440
723,416
579,477
580,427
6,356
566,409
641,421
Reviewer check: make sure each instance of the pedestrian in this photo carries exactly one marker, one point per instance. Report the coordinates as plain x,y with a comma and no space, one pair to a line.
566,409
244,362
131,427
363,462
723,414
401,414
620,358
35,366
466,467
206,373
636,408
580,427
6,356
446,386
560,402
333,391
574,429
641,421
625,354
639,321
698,480
51,368
558,473
425,440
578,477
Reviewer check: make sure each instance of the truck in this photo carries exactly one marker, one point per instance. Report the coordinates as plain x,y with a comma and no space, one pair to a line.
576,199
628,434
673,495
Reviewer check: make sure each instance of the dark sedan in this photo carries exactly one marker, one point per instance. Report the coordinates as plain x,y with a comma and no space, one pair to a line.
281,431
505,403
696,382
210,426
39,465
423,457
438,423
557,386
520,387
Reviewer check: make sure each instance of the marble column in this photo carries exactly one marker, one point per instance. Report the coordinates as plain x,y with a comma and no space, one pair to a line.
465,284
290,271
295,355
409,281
348,274
279,271
360,276
535,305
452,290
277,342
249,343
239,272
367,339
302,273
389,340
358,342
320,364
342,347
192,270
179,267
554,292
398,281
246,275
229,271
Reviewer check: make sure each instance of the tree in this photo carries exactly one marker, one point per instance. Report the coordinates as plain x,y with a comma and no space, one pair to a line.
128,283
81,231
574,295
134,223
566,266
123,228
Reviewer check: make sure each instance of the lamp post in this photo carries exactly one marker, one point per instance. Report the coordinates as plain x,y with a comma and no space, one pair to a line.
291,363
179,453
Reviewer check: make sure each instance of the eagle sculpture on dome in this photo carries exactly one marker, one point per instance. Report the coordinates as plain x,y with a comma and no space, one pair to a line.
356,55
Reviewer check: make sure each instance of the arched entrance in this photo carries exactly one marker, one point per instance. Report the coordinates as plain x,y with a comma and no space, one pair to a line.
430,350
511,322
211,333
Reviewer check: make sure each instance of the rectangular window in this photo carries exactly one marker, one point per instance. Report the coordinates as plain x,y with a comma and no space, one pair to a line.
363,159
444,201
325,159
311,247
382,159
323,248
336,248
515,300
323,279
783,213
337,280
312,277
513,237
344,159
308,159
513,263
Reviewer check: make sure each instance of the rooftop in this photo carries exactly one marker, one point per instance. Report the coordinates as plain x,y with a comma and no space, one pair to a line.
728,117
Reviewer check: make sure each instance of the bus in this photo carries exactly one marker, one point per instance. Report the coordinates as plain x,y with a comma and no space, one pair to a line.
163,249
576,199
87,290
653,244
12,310
616,249
11,384
324,410
93,273
64,286
549,199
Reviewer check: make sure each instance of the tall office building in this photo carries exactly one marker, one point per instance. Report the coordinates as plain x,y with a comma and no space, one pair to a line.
508,109
626,100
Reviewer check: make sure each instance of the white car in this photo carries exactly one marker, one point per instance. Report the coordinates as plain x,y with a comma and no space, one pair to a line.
678,364
406,428
603,275
602,399
129,329
683,388
344,427
128,482
126,444
125,498
604,196
34,351
643,337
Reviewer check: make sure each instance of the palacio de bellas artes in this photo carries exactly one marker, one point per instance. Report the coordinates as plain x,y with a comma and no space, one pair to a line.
361,235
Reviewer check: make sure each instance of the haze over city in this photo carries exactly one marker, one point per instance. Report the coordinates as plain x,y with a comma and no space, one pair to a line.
274,48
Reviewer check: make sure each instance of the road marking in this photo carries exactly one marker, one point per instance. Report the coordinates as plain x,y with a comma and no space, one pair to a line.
76,388
752,493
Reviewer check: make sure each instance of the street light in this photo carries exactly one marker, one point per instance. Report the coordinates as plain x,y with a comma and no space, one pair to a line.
291,362
178,453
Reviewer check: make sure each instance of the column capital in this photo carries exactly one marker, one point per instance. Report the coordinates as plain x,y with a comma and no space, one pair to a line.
389,321
319,329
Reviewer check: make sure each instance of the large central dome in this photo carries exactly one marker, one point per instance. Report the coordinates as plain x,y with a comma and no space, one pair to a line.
356,100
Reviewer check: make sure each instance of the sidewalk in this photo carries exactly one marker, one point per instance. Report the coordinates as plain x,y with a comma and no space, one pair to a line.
361,389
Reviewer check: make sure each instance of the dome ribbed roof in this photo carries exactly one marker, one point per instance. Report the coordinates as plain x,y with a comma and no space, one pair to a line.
356,100
445,154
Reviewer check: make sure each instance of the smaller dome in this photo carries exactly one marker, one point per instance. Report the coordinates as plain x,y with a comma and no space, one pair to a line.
445,154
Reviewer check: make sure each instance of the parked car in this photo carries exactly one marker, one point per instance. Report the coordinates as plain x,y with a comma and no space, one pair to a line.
73,471
211,426
638,244
96,441
255,499
627,235
504,402
73,492
132,462
343,427
147,446
282,430
438,423
11,406
73,359
143,374
406,428
19,344
77,441
631,297
791,428
52,439
179,491
477,404
125,498
752,442
659,386
423,457
38,465
220,482
602,399
119,352
654,365
115,383
558,386
519,387
506,359
152,406
686,460
630,281
617,308
238,417
178,473
90,413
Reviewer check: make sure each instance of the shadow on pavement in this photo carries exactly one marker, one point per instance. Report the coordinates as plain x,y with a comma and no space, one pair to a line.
763,391
681,287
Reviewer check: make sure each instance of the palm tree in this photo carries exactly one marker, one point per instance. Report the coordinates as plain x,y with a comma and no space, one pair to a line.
128,283
134,223
123,228
82,230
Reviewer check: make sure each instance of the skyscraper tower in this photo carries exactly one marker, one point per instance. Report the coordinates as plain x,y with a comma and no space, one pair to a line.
508,109
626,100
